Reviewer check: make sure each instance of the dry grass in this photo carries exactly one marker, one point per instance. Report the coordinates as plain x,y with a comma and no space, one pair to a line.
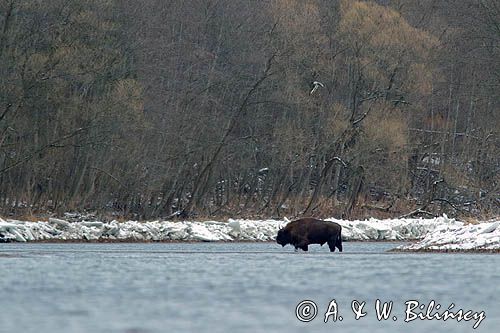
30,217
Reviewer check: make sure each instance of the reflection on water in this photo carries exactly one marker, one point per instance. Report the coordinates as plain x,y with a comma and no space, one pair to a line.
234,287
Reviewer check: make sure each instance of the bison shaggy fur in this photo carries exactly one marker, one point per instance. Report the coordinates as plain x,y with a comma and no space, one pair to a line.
300,233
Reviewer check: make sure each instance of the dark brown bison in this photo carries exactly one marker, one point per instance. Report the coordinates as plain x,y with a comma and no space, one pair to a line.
302,232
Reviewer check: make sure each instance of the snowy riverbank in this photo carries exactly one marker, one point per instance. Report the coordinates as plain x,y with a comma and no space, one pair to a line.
437,234
232,230
482,237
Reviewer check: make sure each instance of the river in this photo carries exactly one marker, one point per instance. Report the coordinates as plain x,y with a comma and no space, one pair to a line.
238,287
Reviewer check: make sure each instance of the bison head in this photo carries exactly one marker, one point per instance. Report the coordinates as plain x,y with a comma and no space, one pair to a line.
283,237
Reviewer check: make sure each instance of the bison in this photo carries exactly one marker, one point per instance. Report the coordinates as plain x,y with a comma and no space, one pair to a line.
300,233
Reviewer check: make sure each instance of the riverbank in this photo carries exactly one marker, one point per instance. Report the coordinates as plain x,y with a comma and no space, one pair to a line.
450,251
185,231
440,234
482,237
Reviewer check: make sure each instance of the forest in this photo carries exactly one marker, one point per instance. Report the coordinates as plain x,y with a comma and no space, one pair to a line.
206,108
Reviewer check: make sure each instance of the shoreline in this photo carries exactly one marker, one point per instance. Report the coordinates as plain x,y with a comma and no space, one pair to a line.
447,251
438,235
169,241
134,241
176,241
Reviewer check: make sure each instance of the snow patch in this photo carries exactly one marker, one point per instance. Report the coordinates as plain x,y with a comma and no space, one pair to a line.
440,233
482,236
232,230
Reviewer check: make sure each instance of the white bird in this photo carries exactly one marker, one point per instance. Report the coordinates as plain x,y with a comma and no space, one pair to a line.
316,85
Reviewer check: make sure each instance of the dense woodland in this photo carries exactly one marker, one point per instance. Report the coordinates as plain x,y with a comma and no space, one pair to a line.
199,108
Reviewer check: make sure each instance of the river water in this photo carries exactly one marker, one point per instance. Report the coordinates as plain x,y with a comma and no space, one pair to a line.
238,287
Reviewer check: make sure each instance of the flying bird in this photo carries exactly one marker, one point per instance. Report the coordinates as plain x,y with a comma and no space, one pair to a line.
316,85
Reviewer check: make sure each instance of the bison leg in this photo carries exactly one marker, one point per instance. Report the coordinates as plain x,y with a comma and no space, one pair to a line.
331,245
339,243
302,245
